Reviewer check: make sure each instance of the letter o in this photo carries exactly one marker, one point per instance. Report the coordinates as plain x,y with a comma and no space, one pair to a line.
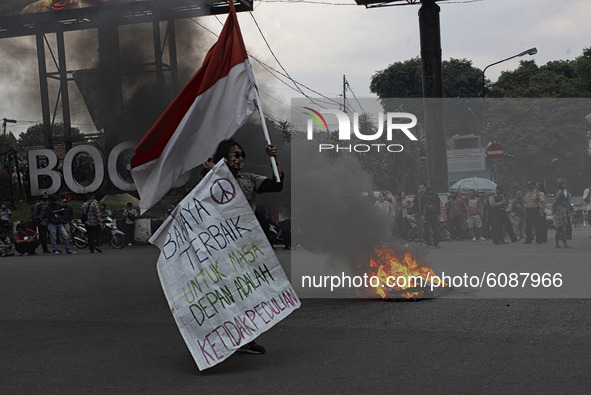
99,169
357,284
377,284
398,282
114,175
395,145
356,147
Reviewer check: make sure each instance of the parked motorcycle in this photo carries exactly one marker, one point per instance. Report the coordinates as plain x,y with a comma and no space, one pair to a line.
79,237
109,234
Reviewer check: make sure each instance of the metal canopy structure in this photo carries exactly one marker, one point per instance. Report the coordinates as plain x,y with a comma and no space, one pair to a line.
104,97
114,13
391,3
106,18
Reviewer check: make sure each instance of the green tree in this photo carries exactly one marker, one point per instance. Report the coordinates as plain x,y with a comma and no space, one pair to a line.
557,79
546,139
7,151
7,144
404,79
461,81
582,67
400,79
34,135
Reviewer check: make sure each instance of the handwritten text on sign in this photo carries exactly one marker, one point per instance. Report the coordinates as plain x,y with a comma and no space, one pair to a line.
219,273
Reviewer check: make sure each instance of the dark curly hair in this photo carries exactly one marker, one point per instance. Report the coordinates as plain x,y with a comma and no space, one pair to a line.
559,183
223,149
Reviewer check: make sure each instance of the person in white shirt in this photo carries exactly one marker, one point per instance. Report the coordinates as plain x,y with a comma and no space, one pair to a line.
587,199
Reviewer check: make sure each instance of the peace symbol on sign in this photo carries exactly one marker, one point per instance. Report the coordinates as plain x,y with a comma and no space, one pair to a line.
222,191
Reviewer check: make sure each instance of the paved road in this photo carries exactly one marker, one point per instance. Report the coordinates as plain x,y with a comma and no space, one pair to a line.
100,324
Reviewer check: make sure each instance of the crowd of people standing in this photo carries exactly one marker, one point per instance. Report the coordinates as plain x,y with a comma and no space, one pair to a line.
479,217
49,227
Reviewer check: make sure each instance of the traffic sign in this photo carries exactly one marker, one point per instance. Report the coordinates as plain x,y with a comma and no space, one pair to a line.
495,152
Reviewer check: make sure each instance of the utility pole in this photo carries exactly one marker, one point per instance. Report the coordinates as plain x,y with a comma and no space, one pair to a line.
4,122
432,87
344,94
433,94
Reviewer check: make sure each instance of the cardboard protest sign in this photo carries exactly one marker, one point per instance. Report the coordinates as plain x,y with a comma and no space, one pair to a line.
220,276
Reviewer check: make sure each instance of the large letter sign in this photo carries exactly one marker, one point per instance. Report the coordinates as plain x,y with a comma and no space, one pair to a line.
220,276
35,172
50,170
99,169
114,175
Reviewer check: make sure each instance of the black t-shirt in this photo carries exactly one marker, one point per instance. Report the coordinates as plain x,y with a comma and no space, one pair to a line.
432,204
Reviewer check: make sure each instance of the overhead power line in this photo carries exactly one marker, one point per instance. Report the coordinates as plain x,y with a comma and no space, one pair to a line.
274,72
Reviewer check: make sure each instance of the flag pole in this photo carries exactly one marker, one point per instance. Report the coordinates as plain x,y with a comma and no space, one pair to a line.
266,133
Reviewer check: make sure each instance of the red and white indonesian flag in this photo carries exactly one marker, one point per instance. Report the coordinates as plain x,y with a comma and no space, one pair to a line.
214,104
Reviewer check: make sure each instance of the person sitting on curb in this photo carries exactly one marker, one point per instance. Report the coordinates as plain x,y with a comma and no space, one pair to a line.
6,246
5,221
25,240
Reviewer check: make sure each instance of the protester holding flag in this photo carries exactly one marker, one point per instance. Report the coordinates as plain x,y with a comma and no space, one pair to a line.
219,98
250,183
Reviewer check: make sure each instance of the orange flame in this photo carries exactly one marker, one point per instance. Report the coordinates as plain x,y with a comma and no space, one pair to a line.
398,279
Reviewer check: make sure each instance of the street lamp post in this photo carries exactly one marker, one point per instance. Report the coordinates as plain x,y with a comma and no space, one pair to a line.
531,51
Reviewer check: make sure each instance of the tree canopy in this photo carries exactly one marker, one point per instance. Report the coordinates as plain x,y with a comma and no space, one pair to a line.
544,138
404,79
34,134
556,79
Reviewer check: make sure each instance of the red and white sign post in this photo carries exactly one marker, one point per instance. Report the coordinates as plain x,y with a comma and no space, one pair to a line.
495,152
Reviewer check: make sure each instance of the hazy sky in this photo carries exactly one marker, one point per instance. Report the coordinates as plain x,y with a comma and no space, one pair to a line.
318,43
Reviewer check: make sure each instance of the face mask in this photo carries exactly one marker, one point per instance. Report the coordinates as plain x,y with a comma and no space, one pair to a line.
429,189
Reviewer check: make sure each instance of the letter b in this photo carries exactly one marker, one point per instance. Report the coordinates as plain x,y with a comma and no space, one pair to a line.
35,172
